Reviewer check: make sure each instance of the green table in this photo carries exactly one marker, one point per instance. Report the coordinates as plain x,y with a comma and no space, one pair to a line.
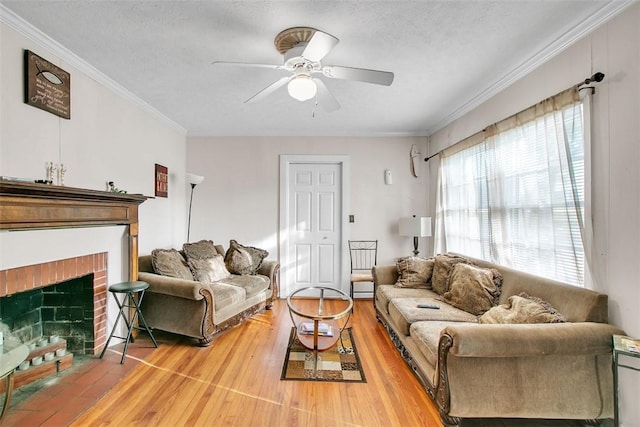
619,348
12,355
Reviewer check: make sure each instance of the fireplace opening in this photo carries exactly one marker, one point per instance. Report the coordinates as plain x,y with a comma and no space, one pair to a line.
63,309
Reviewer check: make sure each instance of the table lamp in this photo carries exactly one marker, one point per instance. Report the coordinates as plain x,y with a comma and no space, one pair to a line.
417,227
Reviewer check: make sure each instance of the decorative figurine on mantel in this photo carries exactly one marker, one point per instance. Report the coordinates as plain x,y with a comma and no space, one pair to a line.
111,187
51,170
61,172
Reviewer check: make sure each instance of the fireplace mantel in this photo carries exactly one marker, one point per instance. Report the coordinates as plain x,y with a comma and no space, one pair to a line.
25,206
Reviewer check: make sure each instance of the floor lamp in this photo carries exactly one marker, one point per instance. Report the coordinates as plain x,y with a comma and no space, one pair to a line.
193,180
417,227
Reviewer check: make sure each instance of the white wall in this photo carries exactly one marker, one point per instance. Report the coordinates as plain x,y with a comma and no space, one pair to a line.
613,49
108,138
239,198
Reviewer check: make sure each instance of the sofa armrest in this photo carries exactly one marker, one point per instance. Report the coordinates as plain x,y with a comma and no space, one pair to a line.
271,269
523,340
385,274
188,289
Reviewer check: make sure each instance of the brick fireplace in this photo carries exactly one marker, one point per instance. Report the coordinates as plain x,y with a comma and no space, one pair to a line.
23,279
30,206
78,283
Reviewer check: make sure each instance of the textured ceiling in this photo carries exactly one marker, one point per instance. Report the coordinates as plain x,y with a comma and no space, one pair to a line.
445,54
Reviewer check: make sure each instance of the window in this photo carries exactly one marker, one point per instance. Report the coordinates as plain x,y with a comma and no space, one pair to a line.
516,197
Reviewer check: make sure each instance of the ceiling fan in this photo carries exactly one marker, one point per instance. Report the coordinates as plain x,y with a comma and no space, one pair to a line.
303,49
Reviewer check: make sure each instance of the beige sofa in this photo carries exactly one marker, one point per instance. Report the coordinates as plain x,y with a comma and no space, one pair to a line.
477,370
201,310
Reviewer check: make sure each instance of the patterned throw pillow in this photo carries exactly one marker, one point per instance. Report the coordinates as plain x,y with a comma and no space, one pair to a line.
473,289
241,259
414,272
169,262
523,308
209,270
442,267
199,250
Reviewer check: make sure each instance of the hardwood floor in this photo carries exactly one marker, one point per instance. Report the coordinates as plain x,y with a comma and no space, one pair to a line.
236,382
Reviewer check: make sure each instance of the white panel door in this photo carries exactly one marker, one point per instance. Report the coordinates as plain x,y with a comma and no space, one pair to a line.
314,225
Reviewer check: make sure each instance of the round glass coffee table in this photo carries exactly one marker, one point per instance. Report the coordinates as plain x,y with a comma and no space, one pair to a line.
319,315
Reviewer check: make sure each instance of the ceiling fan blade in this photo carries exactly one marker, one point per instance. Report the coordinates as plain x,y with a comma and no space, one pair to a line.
319,45
359,74
268,90
325,98
248,64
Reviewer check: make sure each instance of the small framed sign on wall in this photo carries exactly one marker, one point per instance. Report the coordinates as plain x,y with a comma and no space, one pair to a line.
47,86
162,181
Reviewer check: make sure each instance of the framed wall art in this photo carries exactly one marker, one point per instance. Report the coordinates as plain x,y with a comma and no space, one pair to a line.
162,181
47,86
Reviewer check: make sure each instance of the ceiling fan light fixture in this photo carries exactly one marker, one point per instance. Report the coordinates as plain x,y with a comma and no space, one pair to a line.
302,87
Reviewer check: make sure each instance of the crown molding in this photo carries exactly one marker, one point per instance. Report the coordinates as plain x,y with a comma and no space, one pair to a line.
608,11
421,134
24,28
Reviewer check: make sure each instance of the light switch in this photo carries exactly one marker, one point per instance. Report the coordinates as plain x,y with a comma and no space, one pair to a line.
352,218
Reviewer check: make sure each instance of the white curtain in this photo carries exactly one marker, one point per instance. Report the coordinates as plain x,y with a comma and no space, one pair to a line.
517,197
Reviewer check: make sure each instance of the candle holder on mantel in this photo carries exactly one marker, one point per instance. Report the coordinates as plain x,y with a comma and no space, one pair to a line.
51,170
61,171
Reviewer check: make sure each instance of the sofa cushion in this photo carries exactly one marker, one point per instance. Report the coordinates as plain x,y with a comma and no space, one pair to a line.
208,270
241,259
225,295
442,267
199,250
169,262
473,289
252,284
385,293
414,272
404,312
427,336
523,308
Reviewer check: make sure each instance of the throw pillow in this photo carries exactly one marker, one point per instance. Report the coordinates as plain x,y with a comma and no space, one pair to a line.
414,272
169,262
473,289
199,250
209,270
442,267
523,308
241,259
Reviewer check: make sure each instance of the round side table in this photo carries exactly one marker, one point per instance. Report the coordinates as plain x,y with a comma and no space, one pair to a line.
316,320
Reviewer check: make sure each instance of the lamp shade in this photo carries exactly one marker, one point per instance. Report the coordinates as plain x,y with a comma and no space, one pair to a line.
194,179
415,226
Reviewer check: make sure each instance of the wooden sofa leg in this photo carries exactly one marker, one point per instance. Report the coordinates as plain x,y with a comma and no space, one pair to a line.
205,342
450,421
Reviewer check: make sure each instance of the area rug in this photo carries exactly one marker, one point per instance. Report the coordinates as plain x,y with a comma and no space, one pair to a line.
339,363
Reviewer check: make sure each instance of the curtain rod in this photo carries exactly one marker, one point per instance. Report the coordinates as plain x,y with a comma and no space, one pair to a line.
597,78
